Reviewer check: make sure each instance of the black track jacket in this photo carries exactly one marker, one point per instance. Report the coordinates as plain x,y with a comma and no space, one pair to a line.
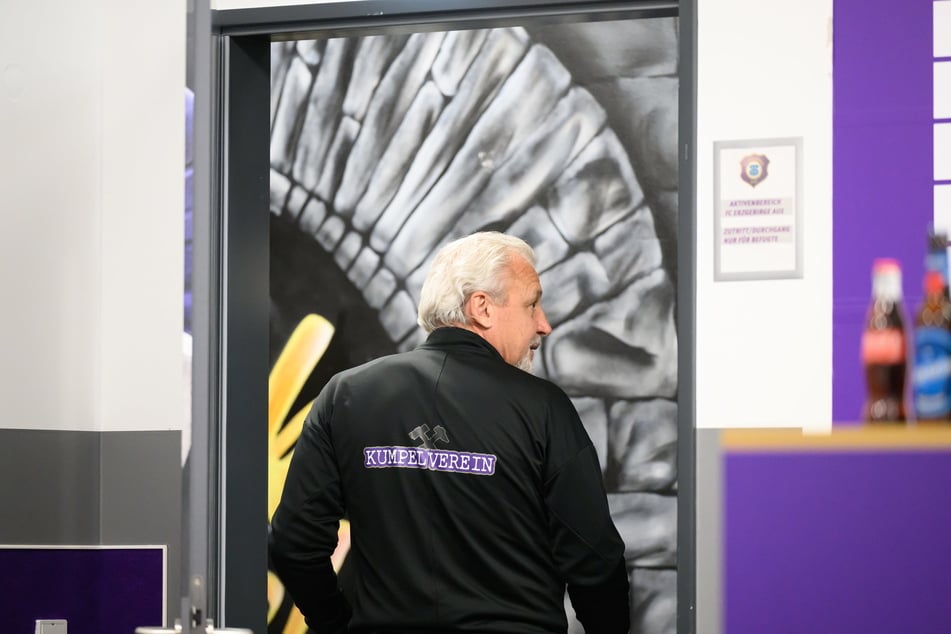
474,496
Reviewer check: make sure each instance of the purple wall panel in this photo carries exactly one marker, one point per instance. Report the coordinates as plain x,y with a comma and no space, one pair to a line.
825,543
831,542
882,162
97,590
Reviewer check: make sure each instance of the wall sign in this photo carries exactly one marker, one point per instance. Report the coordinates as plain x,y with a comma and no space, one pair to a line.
758,226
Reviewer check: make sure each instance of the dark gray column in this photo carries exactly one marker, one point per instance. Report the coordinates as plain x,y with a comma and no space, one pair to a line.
244,429
687,617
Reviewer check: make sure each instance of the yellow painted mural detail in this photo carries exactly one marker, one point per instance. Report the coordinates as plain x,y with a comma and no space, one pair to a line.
275,596
297,361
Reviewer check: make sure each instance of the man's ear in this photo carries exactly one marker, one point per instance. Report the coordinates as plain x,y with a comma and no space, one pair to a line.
479,309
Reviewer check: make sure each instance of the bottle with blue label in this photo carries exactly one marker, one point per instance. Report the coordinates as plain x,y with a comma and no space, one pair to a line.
937,257
931,378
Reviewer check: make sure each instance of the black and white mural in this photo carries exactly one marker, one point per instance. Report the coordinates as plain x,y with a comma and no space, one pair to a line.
384,147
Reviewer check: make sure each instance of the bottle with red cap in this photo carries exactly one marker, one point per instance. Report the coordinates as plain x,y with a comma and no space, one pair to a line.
937,256
884,347
931,377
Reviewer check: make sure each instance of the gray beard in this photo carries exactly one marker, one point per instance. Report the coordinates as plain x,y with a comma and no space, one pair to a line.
525,363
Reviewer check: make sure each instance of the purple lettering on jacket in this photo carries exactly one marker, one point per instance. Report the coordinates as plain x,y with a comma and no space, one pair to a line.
430,459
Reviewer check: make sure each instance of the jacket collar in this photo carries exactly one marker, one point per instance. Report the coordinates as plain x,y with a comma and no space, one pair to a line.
452,337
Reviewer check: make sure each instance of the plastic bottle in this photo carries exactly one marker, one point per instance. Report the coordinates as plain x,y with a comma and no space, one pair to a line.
937,257
931,377
884,346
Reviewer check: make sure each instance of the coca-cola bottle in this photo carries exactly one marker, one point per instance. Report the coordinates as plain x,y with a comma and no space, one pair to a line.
883,346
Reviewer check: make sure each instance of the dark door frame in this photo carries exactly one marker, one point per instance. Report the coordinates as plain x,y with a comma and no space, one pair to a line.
225,508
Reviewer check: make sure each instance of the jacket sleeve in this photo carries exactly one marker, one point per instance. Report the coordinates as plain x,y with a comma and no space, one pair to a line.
586,547
303,531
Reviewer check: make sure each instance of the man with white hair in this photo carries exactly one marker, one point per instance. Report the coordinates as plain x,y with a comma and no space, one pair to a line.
473,491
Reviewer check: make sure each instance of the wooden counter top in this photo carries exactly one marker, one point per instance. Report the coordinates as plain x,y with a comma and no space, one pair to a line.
933,437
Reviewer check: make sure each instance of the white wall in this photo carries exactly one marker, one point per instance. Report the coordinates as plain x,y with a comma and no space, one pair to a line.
91,184
941,45
764,348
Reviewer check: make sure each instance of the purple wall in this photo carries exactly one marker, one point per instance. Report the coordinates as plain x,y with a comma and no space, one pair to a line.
835,542
830,541
97,590
882,167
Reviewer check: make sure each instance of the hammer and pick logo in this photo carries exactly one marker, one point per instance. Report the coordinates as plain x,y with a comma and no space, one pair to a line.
753,169
427,439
